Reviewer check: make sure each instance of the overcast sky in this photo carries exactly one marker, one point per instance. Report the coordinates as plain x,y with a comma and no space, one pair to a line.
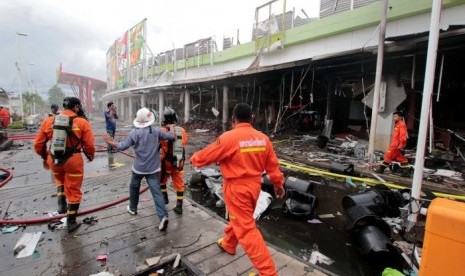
79,33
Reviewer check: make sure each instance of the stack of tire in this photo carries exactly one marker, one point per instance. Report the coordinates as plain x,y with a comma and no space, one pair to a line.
364,212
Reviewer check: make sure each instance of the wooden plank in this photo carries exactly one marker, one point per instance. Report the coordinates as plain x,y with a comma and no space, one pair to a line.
294,268
124,233
211,265
280,260
315,272
134,252
204,253
236,267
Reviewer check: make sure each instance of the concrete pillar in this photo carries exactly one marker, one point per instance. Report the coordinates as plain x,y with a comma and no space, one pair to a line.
121,108
143,100
130,107
161,104
187,105
225,106
384,128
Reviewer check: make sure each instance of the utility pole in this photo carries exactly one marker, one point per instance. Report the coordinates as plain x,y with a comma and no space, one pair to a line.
379,73
425,109
18,67
30,88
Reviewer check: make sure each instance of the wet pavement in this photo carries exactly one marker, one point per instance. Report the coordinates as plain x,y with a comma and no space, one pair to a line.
295,236
130,239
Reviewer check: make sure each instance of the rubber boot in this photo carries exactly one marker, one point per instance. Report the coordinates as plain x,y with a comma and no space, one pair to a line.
381,167
404,169
179,199
71,219
61,200
164,191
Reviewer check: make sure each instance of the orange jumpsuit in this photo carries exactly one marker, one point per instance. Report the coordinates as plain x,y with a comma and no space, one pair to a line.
4,118
244,154
399,140
168,168
70,174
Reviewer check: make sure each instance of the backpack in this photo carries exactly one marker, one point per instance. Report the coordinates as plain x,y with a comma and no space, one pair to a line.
62,130
176,154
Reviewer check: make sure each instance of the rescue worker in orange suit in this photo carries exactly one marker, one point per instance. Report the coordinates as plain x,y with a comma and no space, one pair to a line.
397,146
170,165
244,154
69,171
4,117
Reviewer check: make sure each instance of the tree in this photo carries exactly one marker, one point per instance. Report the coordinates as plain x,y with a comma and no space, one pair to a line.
30,100
55,95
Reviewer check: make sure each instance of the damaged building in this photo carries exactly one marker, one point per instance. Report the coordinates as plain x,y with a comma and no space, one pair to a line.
298,75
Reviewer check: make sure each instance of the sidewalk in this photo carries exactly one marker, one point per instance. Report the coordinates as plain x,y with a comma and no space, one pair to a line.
127,240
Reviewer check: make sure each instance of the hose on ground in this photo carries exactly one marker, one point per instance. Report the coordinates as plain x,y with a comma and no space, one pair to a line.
48,219
7,179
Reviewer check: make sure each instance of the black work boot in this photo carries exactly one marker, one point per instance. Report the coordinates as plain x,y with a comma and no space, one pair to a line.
404,169
71,219
381,167
61,200
179,199
164,192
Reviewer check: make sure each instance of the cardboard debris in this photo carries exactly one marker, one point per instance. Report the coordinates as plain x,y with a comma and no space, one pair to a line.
153,261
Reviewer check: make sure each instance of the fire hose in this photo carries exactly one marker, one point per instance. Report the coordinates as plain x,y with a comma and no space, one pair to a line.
85,212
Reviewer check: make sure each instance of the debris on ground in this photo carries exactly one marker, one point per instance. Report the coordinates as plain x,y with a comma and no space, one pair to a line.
326,216
26,245
57,224
90,220
104,251
318,257
11,229
103,273
177,261
264,201
101,258
153,261
52,214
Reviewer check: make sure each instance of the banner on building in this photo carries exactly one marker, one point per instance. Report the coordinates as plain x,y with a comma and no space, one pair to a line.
121,49
111,68
136,42
124,53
